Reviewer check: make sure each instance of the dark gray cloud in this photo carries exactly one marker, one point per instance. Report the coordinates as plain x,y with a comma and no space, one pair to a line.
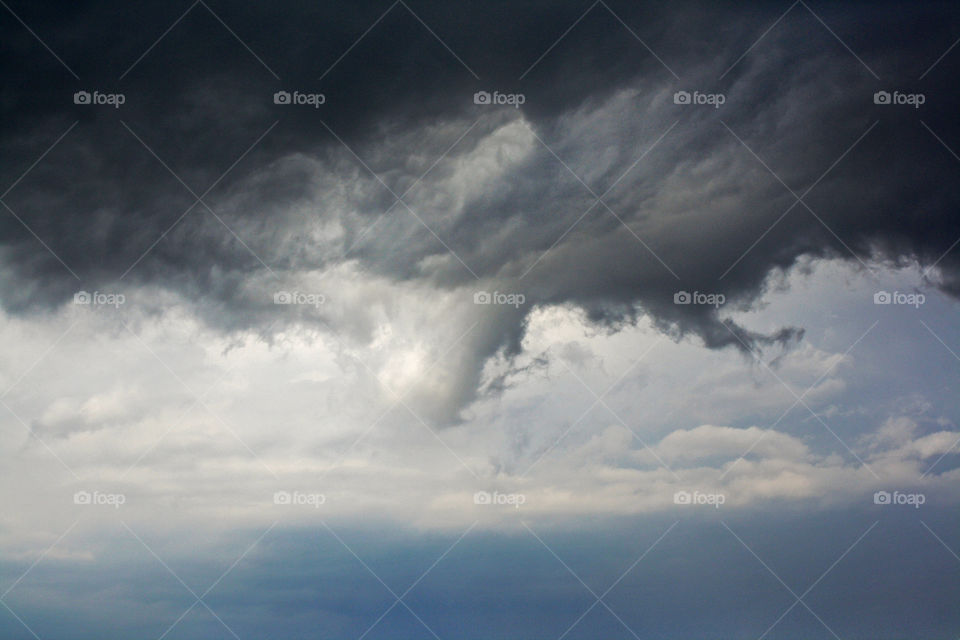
698,212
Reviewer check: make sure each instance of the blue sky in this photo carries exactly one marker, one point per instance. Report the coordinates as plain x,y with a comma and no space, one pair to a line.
699,579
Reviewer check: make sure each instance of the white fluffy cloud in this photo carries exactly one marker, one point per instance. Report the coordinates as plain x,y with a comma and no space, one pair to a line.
188,421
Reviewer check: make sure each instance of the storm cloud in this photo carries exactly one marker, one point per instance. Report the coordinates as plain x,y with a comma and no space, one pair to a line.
599,190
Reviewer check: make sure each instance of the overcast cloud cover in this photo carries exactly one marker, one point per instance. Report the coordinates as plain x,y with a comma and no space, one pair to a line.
479,320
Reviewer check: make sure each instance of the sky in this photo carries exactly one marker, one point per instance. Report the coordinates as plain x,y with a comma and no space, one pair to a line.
479,320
